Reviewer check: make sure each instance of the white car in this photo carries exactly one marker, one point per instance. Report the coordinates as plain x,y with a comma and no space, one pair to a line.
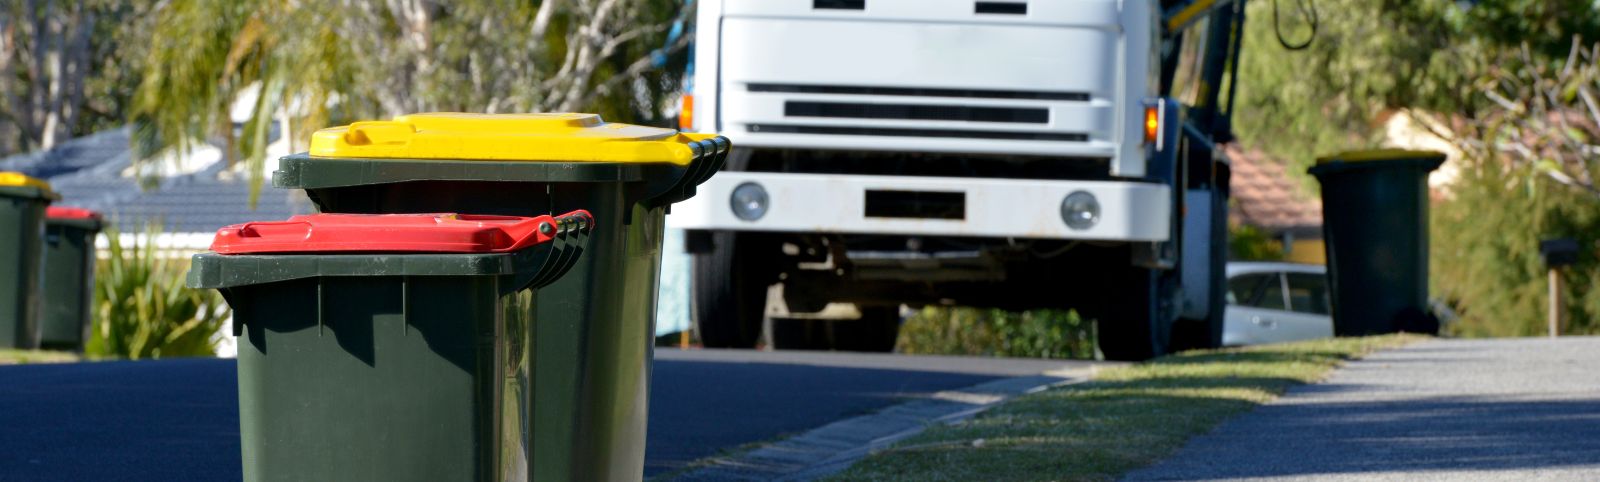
1276,302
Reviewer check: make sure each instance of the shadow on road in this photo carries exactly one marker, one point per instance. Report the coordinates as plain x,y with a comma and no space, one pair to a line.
700,409
1425,435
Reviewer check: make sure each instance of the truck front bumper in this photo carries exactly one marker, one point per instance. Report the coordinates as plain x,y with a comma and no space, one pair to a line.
998,208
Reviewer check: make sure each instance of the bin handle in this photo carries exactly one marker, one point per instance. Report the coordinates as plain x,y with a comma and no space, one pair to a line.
709,156
532,231
262,229
570,237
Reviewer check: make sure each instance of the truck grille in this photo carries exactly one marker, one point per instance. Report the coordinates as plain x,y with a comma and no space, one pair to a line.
916,112
897,132
919,92
892,163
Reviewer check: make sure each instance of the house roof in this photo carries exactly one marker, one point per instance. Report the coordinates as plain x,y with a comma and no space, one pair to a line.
1266,197
92,172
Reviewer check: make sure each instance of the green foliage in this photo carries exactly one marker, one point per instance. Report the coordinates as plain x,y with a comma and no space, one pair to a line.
1366,59
1374,58
1249,243
326,62
989,332
77,62
1485,251
143,310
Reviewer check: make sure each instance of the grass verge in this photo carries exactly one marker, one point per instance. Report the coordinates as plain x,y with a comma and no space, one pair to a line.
1124,419
22,357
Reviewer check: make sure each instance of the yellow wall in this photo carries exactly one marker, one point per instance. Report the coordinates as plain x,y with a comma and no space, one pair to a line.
1307,251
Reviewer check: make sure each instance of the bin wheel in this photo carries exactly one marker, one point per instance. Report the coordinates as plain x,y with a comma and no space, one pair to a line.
730,291
875,332
1198,334
1129,325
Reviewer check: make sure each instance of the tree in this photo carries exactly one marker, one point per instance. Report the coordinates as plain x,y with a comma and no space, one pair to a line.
64,68
1528,174
323,62
1372,58
1546,116
1486,251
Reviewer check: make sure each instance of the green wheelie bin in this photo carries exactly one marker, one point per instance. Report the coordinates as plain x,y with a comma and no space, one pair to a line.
1375,227
386,348
594,328
69,259
23,200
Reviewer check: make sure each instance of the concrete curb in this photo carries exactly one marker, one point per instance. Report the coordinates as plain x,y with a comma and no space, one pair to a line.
834,447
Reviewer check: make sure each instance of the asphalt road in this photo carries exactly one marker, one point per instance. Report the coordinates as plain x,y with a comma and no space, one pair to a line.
178,420
1521,409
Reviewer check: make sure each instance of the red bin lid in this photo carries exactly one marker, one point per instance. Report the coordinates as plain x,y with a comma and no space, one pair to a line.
389,233
65,212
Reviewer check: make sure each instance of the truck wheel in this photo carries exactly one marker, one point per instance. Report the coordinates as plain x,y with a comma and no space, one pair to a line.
730,291
1128,325
1200,334
876,331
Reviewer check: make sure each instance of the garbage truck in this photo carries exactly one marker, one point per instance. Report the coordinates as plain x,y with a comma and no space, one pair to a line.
1038,154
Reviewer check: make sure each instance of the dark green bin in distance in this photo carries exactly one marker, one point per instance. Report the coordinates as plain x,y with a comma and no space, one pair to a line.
69,260
594,329
22,204
385,367
1375,227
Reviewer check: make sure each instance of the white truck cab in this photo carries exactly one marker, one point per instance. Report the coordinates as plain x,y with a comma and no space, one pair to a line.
888,152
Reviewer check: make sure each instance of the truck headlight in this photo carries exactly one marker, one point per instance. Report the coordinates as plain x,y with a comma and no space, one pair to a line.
1080,210
749,201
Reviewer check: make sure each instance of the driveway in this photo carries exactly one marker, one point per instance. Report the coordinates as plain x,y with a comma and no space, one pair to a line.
1515,409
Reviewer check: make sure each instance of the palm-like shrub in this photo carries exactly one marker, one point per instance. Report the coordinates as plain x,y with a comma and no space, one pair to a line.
142,308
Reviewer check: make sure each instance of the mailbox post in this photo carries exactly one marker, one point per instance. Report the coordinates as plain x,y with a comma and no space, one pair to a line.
1557,254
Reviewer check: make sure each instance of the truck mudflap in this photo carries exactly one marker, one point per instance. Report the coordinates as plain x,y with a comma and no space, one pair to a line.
930,206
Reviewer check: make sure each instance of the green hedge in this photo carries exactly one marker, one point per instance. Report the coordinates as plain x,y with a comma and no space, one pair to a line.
988,332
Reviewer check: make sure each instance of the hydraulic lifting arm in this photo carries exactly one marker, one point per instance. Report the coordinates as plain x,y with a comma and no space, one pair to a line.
1221,23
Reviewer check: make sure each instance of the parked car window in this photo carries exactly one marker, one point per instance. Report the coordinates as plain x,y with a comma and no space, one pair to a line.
1244,289
1272,294
1308,293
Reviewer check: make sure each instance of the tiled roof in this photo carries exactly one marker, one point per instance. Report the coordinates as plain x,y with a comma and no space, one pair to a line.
89,173
1265,197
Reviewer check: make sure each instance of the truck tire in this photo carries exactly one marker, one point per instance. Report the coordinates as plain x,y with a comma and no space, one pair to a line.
875,332
1128,325
730,291
1200,334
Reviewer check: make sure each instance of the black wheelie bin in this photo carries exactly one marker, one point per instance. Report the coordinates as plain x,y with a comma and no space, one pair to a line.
69,260
390,347
594,328
23,201
1375,226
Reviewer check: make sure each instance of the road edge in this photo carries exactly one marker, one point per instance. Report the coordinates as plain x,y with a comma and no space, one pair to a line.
831,448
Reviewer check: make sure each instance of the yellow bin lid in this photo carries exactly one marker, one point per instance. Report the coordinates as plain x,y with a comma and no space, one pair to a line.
506,137
17,179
